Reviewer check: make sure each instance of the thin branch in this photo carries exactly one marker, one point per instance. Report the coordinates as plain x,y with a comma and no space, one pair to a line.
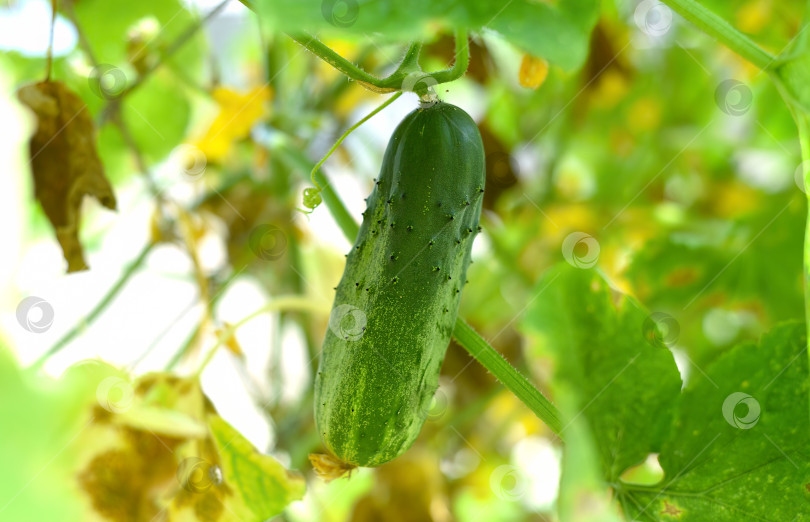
175,46
129,141
351,129
100,307
322,51
194,337
288,302
49,62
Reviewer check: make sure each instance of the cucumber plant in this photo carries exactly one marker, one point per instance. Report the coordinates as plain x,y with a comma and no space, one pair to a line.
396,306
367,438
404,275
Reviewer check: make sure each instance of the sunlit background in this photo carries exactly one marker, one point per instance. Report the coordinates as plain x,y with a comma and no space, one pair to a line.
636,150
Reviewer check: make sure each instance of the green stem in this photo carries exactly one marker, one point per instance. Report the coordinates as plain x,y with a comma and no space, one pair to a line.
100,307
493,361
344,219
190,341
322,51
710,23
395,81
346,135
462,60
411,60
804,140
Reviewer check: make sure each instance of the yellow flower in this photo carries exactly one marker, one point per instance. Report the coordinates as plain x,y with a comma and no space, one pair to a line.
237,114
533,71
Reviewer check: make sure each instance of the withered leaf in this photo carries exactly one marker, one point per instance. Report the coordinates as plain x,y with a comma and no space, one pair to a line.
64,162
155,450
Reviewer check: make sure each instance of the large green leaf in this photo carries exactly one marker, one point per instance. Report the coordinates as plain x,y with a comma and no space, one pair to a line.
106,23
157,115
42,424
793,73
263,488
740,447
157,112
557,31
609,369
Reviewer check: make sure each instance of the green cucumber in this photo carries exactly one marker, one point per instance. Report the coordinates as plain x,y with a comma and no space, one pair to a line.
398,298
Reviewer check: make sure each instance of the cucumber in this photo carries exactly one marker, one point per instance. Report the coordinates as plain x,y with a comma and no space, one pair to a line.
398,298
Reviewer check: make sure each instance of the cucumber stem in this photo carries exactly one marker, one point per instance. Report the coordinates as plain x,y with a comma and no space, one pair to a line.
398,79
509,376
804,140
411,60
461,63
325,53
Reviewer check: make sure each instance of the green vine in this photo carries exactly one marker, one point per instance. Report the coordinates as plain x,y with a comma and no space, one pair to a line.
507,374
97,310
312,196
407,77
711,24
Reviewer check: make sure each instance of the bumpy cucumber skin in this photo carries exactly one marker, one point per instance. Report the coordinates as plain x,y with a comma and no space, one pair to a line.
404,274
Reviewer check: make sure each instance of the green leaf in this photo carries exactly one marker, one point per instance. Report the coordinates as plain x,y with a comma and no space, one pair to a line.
42,424
263,487
609,371
583,495
157,112
105,25
700,265
558,31
793,74
157,115
739,448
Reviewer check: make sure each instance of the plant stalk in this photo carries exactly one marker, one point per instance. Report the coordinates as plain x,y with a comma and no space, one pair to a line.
711,24
100,307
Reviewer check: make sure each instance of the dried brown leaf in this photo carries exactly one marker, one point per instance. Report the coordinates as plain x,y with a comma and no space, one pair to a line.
329,467
64,162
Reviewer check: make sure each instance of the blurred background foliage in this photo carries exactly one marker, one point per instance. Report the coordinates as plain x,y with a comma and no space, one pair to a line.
690,195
